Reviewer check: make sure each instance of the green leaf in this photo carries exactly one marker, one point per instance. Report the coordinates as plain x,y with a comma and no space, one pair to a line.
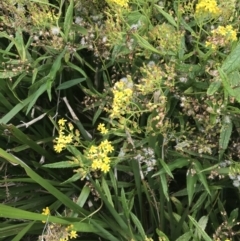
162,235
232,62
35,96
75,67
225,135
233,217
199,229
56,66
185,237
178,163
68,20
74,178
125,207
164,185
62,164
145,44
166,168
107,192
201,175
23,232
83,197
191,184
214,86
169,18
138,225
202,224
70,83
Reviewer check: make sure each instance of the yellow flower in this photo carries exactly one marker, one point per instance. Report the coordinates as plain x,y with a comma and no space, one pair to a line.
105,167
207,7
70,126
58,147
73,234
46,211
101,127
121,3
61,122
93,150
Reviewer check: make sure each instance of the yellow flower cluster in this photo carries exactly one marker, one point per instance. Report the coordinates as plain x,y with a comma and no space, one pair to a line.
58,232
98,156
227,32
103,130
122,97
46,211
65,139
221,37
207,7
120,3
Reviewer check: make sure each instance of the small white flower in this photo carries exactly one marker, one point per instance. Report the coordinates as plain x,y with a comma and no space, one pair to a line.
232,176
127,83
134,27
236,183
36,38
78,20
151,64
55,30
183,79
83,41
104,39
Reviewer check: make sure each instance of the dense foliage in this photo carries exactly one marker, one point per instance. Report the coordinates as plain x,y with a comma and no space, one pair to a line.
120,120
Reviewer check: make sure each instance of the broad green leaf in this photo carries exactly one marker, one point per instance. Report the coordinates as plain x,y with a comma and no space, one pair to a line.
68,20
83,197
185,237
145,44
36,95
107,192
56,66
164,185
19,43
202,224
162,235
227,86
62,164
125,207
225,135
233,217
75,67
178,163
214,86
191,185
232,62
201,176
200,230
16,213
166,168
70,83
74,178
169,18
138,225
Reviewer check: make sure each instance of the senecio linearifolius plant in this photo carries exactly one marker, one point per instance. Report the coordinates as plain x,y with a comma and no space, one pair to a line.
161,90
